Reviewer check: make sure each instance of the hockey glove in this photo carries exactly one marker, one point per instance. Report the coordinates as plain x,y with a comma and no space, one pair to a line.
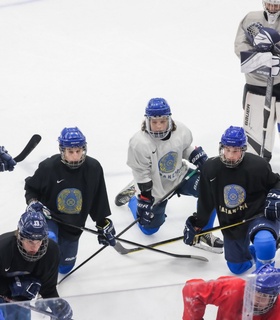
272,205
24,286
263,39
35,205
107,233
6,161
59,307
198,157
190,231
144,210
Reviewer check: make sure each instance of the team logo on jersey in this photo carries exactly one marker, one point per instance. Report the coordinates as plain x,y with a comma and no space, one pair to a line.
70,201
234,195
168,162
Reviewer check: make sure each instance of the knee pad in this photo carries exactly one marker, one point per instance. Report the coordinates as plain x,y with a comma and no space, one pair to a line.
265,247
240,267
63,269
52,235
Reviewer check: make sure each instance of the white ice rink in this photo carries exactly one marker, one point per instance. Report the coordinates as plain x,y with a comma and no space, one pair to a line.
95,64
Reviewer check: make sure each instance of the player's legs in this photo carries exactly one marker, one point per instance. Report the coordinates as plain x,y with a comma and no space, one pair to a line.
253,124
68,254
237,254
157,221
264,234
52,230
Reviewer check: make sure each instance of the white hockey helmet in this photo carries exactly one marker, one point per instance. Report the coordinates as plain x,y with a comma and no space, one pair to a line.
272,9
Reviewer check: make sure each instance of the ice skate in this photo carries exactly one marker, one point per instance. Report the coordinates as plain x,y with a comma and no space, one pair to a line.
125,194
210,243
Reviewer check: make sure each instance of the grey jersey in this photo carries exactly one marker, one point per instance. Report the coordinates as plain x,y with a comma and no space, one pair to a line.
162,161
242,44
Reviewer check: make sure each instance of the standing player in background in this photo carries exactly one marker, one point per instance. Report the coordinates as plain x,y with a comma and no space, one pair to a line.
229,294
7,163
158,155
262,46
240,186
70,186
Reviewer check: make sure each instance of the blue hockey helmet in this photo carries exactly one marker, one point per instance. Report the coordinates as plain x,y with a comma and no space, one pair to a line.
268,280
32,226
233,137
267,288
157,108
72,138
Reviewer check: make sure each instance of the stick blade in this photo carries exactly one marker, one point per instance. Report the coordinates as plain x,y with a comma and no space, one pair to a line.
33,142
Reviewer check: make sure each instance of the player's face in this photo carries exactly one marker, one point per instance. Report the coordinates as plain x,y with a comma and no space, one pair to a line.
159,124
31,246
272,8
73,154
263,302
232,154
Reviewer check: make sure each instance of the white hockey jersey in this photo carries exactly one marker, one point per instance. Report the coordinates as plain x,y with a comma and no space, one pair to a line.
162,161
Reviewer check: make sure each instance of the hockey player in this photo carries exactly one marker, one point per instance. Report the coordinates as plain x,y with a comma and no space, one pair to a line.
158,155
7,163
70,186
240,186
229,294
264,61
29,266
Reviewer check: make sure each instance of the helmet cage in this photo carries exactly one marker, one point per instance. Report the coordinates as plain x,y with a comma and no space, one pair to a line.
233,137
267,288
32,226
263,303
73,164
274,10
158,108
230,163
32,257
158,134
72,138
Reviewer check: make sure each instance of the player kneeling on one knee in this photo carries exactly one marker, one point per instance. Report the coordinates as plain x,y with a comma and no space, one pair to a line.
239,186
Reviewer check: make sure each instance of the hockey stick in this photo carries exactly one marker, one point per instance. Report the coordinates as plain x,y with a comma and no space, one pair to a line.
32,143
266,111
168,241
96,253
119,247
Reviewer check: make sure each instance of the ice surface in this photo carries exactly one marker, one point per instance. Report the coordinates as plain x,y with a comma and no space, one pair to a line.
95,64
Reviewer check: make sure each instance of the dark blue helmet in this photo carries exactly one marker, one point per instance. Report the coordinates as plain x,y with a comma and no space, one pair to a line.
32,226
72,138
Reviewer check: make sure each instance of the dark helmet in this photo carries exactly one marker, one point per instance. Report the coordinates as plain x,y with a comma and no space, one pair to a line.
72,138
33,226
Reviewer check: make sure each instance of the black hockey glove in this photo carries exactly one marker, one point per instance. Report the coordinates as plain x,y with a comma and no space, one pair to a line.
107,233
198,157
6,161
263,39
35,205
272,205
59,307
24,286
190,231
144,210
